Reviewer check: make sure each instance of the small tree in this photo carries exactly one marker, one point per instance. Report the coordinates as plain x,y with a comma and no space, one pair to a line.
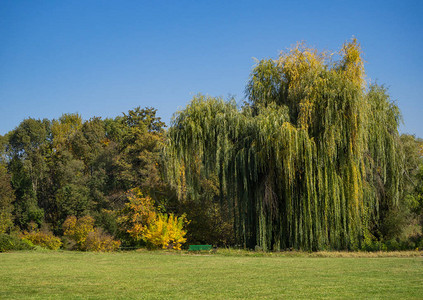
166,232
142,222
78,229
138,212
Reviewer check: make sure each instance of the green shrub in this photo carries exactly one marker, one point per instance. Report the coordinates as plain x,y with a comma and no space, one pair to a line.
12,242
393,245
44,239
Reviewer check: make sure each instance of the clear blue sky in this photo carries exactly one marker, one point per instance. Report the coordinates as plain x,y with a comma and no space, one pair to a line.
102,58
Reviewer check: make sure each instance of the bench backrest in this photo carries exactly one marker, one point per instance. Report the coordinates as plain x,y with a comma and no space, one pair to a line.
199,247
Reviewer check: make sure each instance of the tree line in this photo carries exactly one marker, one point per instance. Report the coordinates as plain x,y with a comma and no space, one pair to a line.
99,171
311,160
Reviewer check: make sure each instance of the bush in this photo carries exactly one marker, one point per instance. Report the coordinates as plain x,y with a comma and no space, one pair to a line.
12,242
166,232
78,229
82,235
98,240
141,220
44,239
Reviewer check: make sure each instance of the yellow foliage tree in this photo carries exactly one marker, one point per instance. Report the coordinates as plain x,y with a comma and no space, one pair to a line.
141,220
137,213
166,232
78,229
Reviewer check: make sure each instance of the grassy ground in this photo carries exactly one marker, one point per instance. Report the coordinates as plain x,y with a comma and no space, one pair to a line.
126,275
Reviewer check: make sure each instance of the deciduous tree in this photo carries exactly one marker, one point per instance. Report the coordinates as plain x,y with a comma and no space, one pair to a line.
308,162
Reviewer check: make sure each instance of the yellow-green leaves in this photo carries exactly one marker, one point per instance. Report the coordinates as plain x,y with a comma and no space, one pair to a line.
298,161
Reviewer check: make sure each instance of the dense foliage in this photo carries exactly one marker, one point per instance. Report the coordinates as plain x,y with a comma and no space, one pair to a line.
13,242
73,176
82,235
141,220
312,160
43,239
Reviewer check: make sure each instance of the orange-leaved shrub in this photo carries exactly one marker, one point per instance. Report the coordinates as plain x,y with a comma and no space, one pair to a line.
45,239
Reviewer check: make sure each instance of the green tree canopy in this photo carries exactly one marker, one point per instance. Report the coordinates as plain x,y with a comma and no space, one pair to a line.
308,162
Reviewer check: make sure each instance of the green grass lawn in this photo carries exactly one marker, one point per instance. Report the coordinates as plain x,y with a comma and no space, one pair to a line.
62,274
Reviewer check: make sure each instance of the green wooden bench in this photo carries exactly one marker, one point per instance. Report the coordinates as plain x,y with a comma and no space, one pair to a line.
200,247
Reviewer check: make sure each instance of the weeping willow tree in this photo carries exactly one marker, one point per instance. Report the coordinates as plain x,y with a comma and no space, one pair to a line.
307,163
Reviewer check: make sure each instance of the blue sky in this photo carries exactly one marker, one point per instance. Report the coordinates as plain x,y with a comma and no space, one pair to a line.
102,58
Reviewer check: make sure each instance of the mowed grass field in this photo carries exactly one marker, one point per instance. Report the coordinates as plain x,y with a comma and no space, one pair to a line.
162,275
